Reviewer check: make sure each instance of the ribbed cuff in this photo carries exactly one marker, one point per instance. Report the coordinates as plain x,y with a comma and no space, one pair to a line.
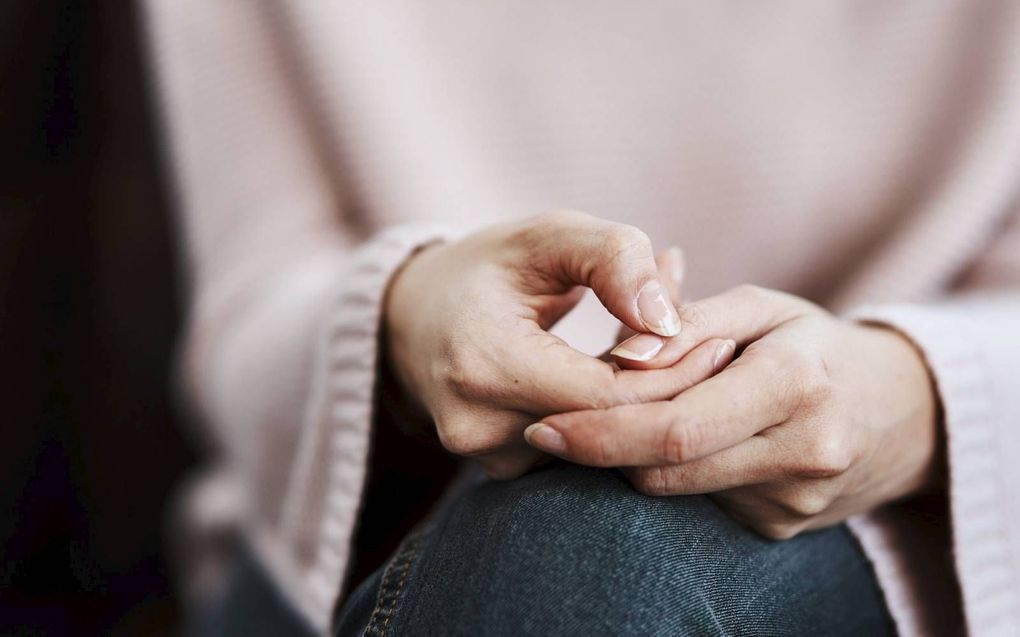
980,532
325,496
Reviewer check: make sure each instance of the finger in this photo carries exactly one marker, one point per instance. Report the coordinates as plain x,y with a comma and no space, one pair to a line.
670,264
489,436
563,380
716,414
781,510
615,260
473,429
640,351
751,508
749,462
672,268
744,314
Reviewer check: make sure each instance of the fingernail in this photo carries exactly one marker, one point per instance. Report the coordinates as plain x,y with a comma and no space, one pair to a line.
656,310
723,355
545,438
639,348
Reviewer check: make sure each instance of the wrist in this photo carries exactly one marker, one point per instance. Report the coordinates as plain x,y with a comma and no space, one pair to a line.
402,304
920,432
404,286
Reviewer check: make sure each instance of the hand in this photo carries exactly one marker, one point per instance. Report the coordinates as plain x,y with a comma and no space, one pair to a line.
816,420
466,327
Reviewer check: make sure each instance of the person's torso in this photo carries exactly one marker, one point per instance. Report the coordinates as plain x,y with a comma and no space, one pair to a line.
788,145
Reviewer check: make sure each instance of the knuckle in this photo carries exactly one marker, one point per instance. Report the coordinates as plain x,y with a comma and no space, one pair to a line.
827,456
816,381
537,229
534,230
775,530
798,364
457,380
805,503
649,480
601,452
681,442
774,363
622,240
461,373
808,376
460,439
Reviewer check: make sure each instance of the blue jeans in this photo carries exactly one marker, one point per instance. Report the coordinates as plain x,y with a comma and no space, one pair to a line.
576,551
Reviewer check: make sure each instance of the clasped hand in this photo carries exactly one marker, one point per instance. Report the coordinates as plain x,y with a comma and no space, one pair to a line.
791,418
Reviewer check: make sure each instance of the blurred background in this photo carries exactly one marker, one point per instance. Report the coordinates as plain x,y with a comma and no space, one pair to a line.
90,450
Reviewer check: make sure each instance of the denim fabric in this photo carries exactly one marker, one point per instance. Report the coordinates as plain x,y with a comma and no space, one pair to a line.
576,551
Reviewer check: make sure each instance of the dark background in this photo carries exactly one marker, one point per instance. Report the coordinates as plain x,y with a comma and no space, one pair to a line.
89,447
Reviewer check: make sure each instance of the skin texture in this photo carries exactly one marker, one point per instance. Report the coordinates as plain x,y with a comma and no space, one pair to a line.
467,332
816,419
789,417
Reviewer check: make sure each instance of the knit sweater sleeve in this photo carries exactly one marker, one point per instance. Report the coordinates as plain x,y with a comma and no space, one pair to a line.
971,341
280,350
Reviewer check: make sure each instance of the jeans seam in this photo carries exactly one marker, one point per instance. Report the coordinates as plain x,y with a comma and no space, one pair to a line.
388,600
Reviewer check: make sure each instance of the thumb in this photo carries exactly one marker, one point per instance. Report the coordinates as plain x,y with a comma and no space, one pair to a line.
672,268
613,259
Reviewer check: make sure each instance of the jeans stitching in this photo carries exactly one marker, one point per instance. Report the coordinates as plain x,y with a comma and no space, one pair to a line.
394,596
400,586
387,599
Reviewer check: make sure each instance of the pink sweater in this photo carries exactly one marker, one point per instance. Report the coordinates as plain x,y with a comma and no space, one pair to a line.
865,156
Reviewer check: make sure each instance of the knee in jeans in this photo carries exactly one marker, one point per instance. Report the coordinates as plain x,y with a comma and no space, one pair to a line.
583,502
674,565
595,517
570,539
572,550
